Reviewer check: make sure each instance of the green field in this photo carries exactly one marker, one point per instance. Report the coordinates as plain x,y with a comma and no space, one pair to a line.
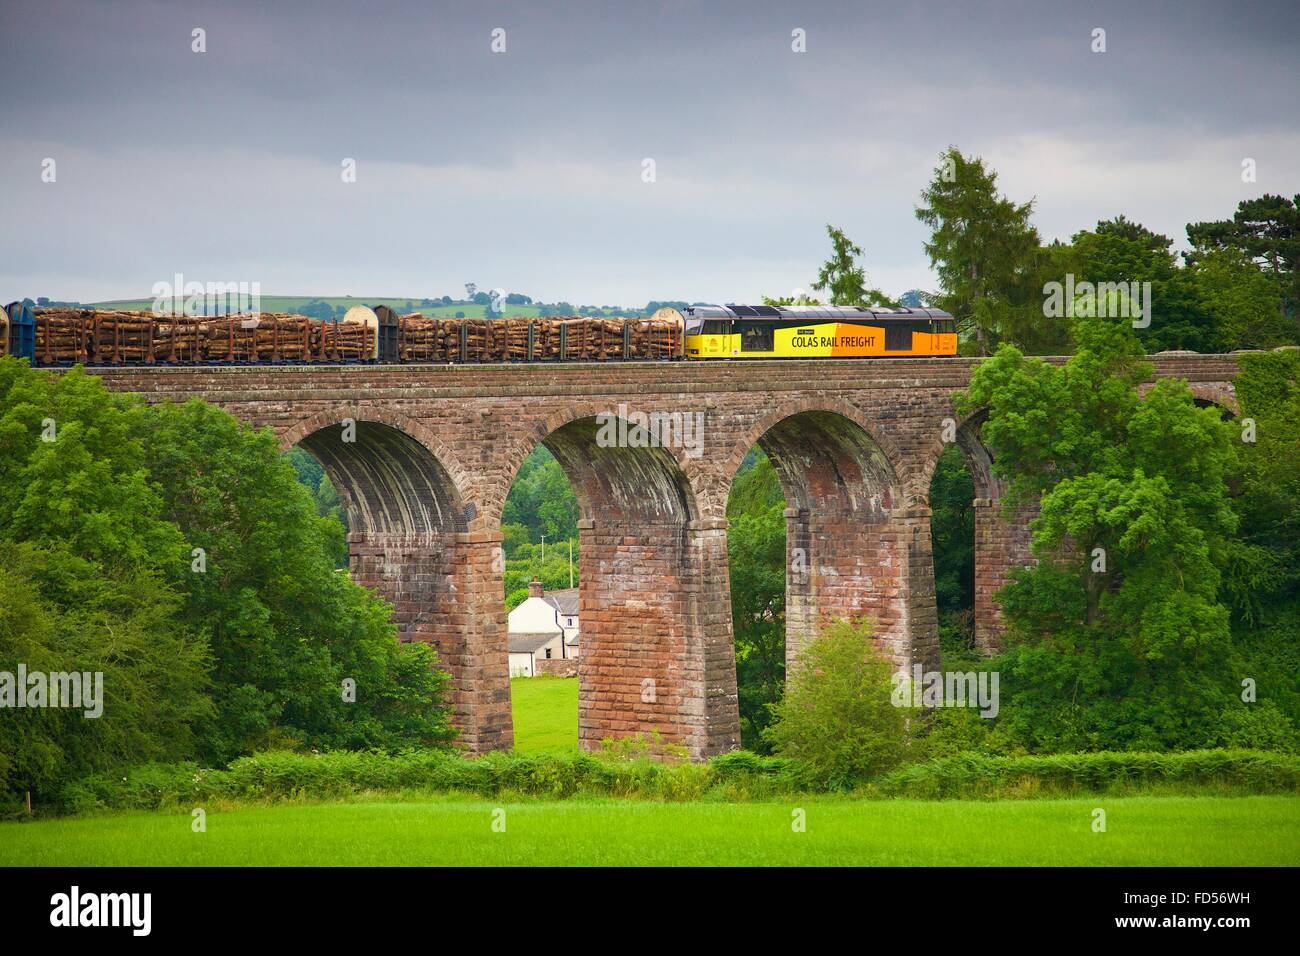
545,712
1220,831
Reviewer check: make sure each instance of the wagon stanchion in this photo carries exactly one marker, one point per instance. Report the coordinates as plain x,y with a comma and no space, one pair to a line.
68,336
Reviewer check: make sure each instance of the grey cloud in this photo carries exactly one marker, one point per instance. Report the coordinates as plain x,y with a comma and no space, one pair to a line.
523,170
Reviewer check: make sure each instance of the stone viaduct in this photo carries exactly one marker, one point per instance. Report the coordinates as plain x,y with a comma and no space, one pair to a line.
435,449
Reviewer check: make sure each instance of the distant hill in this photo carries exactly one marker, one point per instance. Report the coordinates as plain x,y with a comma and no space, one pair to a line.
311,305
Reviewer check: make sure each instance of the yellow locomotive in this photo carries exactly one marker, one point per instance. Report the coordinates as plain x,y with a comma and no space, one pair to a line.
816,332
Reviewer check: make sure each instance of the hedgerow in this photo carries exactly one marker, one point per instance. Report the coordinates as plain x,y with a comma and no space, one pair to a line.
282,775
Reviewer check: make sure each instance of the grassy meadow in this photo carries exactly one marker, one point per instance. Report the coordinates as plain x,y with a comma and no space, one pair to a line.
459,829
1140,831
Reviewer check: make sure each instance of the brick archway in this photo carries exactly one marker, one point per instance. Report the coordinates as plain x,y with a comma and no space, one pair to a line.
686,472
453,475
1002,540
655,646
856,543
731,461
410,541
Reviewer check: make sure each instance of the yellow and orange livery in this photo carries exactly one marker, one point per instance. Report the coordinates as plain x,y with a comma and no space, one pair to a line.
814,332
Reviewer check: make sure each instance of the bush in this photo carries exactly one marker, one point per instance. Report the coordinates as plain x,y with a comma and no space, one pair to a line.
837,719
285,775
970,775
737,776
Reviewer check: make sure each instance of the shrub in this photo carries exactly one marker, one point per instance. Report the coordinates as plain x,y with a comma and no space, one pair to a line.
735,776
971,775
837,719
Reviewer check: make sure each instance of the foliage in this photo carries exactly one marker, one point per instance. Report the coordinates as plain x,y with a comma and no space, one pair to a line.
311,475
205,653
981,245
843,279
756,558
1117,637
1265,575
1220,301
154,671
1267,231
284,627
735,777
86,569
1242,306
756,550
837,718
952,532
541,500
283,775
974,776
553,569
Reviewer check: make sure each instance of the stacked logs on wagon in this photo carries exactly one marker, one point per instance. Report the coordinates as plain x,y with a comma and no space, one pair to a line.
421,339
63,336
118,337
266,337
347,341
67,336
576,338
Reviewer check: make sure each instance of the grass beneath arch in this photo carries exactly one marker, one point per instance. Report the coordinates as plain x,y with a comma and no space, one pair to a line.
545,712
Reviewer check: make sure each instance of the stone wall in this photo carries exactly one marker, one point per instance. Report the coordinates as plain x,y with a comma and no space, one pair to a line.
556,667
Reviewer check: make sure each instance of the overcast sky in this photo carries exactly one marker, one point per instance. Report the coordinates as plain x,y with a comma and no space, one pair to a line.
523,169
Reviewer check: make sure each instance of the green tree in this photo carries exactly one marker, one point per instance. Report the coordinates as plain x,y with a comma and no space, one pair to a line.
756,550
87,563
843,278
1242,304
1118,637
284,626
952,538
982,244
1267,230
126,628
541,499
1119,250
1264,578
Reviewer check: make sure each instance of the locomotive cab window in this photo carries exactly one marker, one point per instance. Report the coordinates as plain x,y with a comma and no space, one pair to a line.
898,335
756,337
717,327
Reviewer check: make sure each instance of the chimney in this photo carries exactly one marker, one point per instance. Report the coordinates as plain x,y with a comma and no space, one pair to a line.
535,588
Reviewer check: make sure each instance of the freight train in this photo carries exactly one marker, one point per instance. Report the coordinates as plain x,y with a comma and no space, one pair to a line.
61,336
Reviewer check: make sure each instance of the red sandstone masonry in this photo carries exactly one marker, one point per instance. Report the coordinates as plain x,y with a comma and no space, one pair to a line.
856,452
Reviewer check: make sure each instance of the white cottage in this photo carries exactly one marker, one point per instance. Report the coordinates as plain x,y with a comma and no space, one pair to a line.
543,627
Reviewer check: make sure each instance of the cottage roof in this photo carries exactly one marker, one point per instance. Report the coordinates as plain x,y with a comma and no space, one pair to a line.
529,643
565,601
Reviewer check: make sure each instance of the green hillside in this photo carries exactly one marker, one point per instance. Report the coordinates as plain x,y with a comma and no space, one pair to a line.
295,303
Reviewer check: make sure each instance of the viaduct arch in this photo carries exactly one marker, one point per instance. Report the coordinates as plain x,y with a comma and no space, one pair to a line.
433,451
